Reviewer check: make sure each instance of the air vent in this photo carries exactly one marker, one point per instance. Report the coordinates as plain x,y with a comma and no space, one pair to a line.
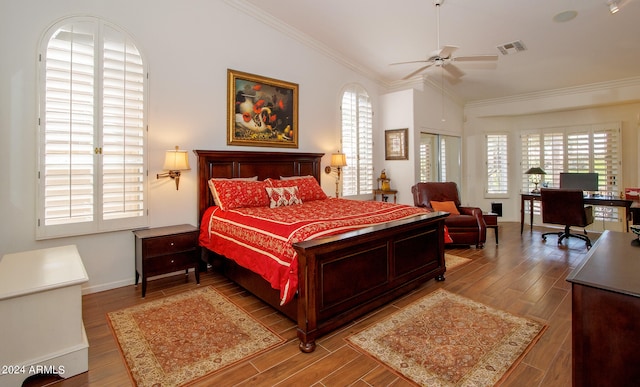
512,48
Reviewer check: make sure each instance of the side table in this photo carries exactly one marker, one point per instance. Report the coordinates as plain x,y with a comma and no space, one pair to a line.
165,250
491,220
384,195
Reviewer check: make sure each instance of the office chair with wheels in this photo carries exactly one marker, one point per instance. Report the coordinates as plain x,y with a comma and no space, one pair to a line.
566,207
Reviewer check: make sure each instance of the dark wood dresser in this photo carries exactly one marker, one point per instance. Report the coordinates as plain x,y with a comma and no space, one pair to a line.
606,313
163,250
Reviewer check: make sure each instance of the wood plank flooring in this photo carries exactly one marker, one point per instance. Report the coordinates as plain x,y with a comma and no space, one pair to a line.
523,275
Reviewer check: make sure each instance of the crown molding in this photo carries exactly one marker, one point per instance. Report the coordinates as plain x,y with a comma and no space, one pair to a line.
567,91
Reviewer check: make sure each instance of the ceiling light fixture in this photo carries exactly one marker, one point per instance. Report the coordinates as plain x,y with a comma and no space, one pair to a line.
565,16
614,6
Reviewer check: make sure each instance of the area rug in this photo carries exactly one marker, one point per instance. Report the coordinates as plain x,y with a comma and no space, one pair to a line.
453,261
181,338
447,340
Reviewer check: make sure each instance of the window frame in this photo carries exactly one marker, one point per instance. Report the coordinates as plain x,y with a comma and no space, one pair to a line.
549,147
131,168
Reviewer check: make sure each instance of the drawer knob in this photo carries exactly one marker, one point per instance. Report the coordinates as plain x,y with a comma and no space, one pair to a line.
171,243
172,261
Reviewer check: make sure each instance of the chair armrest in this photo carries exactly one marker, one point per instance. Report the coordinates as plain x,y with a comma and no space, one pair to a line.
476,212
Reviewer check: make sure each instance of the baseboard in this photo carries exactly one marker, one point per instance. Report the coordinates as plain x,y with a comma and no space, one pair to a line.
66,363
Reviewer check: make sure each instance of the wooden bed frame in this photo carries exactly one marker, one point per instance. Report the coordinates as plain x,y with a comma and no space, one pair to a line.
341,277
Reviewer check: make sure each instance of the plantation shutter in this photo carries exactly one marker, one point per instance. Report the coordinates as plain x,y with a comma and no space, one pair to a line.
426,162
553,158
350,143
357,142
365,144
92,163
69,170
497,164
123,128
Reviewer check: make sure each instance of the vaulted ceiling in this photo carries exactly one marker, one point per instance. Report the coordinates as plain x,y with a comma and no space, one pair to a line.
593,47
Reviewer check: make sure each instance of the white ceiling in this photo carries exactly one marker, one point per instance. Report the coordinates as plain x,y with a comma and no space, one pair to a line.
368,35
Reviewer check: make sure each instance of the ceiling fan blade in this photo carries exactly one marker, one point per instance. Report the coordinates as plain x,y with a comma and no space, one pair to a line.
475,58
421,69
454,71
409,62
446,51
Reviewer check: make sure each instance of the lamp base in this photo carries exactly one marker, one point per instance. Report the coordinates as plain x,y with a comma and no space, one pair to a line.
536,190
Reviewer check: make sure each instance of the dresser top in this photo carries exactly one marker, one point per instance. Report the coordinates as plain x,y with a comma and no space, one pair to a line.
613,264
40,270
164,231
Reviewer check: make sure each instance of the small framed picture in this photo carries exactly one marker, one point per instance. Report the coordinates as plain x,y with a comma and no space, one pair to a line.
396,144
261,111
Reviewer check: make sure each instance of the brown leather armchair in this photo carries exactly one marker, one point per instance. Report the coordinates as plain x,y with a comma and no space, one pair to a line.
467,228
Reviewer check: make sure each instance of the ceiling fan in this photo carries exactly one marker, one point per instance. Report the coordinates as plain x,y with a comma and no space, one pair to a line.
443,57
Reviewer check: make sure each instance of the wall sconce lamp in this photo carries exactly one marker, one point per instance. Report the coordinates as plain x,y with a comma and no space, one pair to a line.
338,161
537,172
174,162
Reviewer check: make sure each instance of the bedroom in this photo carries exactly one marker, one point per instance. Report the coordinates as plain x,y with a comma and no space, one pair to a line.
188,108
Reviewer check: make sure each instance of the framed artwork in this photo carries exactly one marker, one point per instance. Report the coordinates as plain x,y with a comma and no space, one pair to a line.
261,111
396,144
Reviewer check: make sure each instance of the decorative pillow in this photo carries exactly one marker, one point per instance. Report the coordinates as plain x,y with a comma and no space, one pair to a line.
254,178
229,194
449,207
308,187
283,196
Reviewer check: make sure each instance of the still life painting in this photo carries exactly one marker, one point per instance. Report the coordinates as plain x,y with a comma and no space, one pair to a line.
261,111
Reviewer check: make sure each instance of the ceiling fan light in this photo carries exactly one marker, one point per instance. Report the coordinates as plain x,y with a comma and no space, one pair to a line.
614,6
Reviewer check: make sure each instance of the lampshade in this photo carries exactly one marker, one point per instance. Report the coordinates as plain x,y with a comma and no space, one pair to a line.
176,160
338,160
535,171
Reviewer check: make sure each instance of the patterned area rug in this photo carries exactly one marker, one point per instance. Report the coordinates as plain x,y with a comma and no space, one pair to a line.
447,340
453,261
179,339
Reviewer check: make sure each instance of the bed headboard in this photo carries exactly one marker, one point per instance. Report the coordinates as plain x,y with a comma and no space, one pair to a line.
229,164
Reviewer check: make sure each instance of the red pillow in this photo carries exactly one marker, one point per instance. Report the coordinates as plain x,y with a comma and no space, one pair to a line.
308,187
230,194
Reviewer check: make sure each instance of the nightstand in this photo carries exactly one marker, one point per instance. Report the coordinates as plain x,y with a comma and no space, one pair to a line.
163,250
491,220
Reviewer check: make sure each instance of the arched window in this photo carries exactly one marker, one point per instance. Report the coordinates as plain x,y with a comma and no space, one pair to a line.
92,164
357,141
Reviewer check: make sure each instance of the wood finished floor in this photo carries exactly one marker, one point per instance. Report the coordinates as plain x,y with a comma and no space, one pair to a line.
523,275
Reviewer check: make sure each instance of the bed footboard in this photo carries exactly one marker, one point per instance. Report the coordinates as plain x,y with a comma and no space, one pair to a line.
345,276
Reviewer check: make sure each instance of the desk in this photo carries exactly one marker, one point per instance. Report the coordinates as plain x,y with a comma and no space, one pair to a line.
384,195
605,299
606,201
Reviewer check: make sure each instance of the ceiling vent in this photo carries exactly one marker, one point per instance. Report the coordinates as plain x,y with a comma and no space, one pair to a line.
512,48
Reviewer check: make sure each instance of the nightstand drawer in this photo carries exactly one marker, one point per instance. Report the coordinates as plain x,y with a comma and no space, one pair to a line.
163,250
170,244
168,263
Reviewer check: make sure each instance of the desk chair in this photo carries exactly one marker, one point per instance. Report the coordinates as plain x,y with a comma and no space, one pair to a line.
566,207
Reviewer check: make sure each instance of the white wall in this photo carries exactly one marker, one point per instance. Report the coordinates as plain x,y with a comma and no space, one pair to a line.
189,46
419,109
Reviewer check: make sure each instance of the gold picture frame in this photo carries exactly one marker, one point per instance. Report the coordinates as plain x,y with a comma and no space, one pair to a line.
396,144
261,111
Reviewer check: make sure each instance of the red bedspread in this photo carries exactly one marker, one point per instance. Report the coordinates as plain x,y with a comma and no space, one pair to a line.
261,238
